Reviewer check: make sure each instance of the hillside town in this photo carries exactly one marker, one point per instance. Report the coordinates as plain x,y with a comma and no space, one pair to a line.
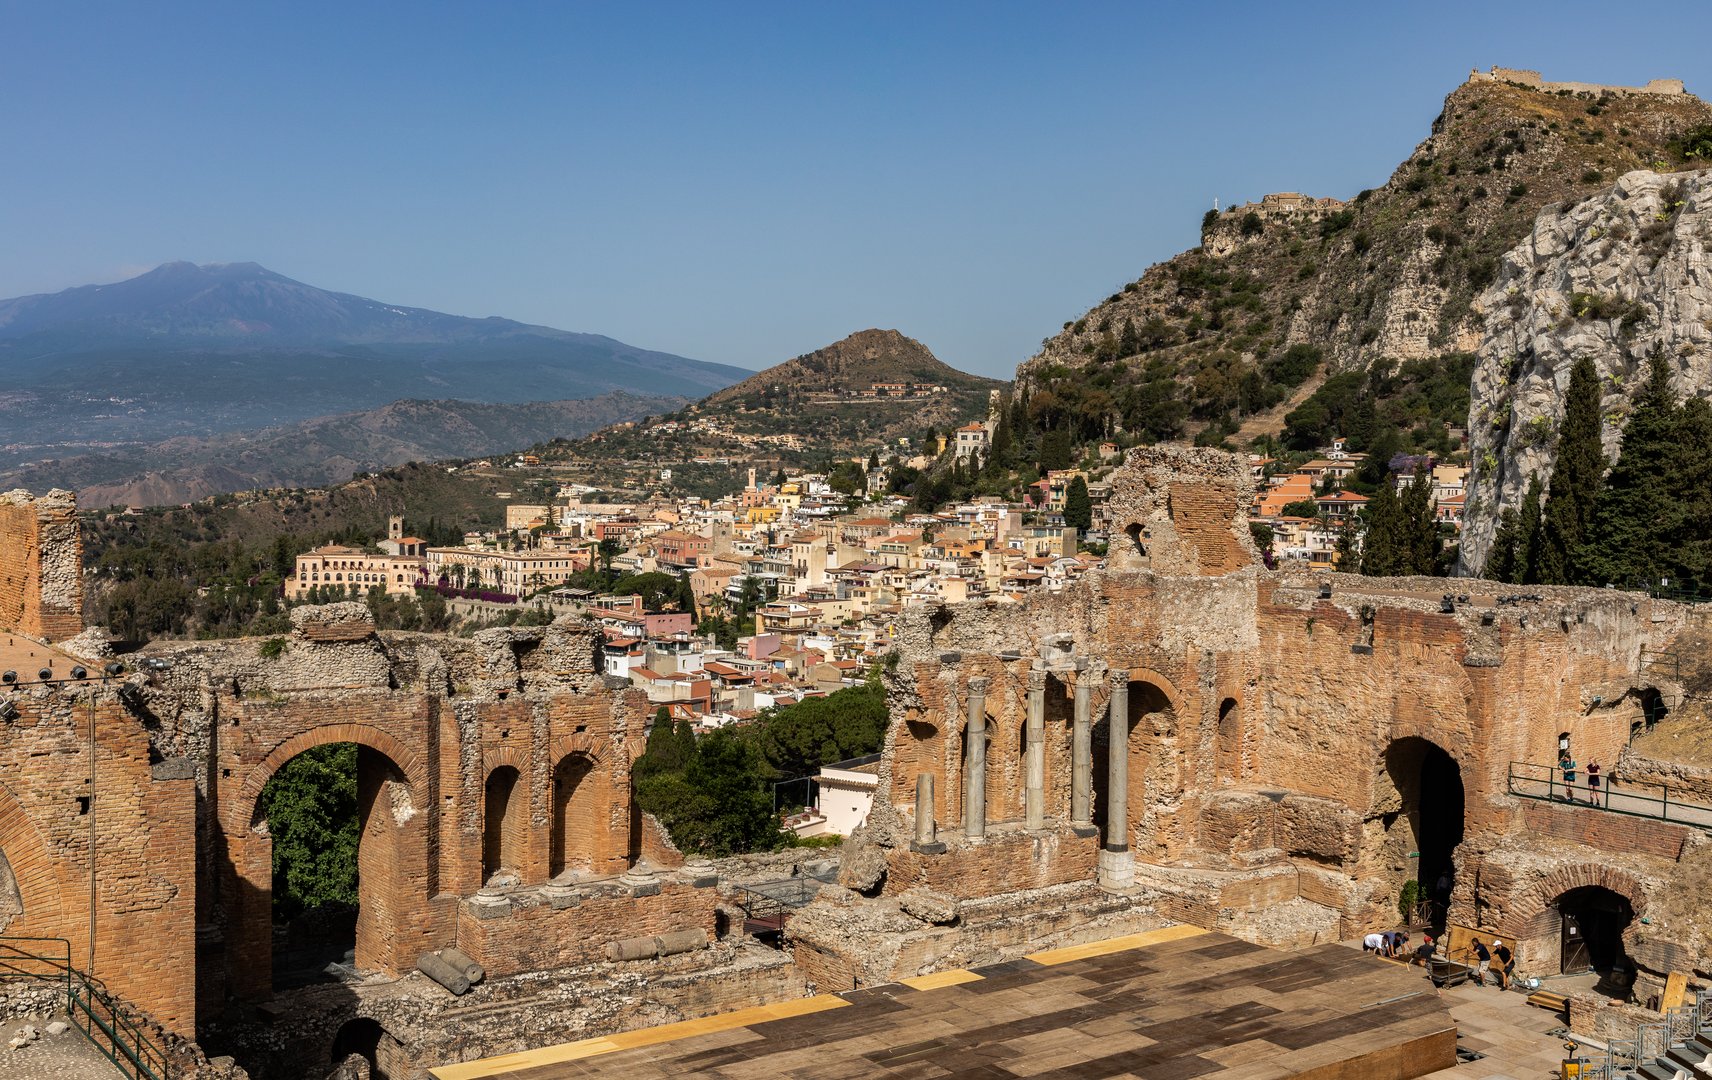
789,588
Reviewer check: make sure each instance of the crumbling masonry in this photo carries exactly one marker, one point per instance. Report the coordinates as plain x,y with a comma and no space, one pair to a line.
1182,736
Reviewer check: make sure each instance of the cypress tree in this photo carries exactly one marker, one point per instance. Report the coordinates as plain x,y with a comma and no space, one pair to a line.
1528,528
1651,519
1078,508
1576,476
1380,548
1501,560
1418,529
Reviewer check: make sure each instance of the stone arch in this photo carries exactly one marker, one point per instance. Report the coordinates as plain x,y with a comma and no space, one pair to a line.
35,884
1547,889
1421,805
406,761
392,869
365,1038
1149,677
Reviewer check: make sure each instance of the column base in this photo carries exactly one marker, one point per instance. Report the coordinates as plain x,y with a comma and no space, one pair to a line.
1085,830
936,847
1116,869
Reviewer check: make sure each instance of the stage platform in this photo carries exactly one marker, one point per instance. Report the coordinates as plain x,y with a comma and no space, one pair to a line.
1165,1005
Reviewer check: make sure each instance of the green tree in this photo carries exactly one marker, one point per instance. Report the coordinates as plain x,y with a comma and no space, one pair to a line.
1505,554
310,806
1576,476
796,740
1055,449
1382,545
1650,521
1302,508
1078,507
1418,528
1528,535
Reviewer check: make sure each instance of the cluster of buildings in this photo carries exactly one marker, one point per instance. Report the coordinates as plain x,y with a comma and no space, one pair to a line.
823,583
1281,495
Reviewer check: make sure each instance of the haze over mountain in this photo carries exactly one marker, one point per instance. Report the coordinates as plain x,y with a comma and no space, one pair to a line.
198,350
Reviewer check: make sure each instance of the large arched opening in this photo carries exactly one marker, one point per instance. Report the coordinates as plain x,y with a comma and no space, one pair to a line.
504,825
366,1039
1424,825
1592,921
576,816
328,818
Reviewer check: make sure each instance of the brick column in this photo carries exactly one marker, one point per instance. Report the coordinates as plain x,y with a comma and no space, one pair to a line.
975,761
1117,862
1034,790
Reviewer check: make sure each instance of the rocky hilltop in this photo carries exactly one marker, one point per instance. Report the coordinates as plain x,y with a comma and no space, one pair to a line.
1612,277
1202,341
854,363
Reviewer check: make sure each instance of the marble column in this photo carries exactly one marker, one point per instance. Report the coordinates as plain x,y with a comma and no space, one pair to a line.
1082,756
926,829
1034,790
1117,862
975,761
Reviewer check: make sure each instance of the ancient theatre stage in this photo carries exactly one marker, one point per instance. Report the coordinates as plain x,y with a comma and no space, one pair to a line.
1164,1005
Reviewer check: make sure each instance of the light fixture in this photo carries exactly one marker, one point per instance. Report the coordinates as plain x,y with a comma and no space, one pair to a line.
78,671
8,677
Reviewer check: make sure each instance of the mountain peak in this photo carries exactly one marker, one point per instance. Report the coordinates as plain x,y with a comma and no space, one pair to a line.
856,362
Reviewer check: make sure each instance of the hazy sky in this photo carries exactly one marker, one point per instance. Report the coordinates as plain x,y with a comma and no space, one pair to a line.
732,182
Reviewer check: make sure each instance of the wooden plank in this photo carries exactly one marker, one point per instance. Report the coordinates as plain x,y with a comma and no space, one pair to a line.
1675,991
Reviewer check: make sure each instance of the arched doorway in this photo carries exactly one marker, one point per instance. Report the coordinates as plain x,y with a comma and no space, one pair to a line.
1428,784
1593,919
504,823
575,815
1227,743
330,816
1144,699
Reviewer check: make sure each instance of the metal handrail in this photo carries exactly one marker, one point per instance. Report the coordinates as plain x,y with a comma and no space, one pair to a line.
101,1018
1546,783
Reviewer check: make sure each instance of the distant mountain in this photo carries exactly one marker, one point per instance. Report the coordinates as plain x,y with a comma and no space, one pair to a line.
326,450
853,364
197,350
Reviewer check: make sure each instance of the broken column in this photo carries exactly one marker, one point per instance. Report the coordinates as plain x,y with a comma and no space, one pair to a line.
1117,863
1034,790
926,831
975,761
1082,756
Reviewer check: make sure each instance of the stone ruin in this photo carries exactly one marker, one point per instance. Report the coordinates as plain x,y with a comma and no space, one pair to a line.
1181,737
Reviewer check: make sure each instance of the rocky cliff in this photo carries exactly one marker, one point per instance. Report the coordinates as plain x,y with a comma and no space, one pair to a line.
1390,274
1611,277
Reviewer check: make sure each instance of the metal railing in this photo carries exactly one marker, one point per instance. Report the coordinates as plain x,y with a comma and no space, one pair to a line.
1546,783
1624,1058
97,1014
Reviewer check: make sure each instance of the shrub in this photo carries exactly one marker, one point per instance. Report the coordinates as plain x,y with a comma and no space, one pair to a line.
272,648
1517,190
1251,224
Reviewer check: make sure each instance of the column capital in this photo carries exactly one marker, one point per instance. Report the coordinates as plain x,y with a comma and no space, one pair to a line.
1118,677
1036,681
978,684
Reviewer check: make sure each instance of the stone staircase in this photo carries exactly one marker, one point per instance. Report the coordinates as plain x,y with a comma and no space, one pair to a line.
1680,1041
1680,1058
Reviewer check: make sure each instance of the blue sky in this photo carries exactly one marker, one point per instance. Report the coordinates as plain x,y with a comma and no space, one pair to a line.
732,182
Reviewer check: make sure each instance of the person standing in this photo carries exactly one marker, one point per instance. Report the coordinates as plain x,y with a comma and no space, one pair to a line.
1567,765
1593,782
1501,952
1482,959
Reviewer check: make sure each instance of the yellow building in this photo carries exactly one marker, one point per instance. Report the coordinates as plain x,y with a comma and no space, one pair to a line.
343,567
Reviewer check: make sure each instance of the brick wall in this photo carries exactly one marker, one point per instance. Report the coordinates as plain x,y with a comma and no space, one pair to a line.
1614,833
41,565
542,936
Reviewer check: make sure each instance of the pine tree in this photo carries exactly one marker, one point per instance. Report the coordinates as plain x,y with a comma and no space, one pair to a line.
1576,476
1078,508
1055,450
1528,529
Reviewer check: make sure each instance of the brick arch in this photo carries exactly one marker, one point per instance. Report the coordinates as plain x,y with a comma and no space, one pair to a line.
407,761
1548,889
1160,683
38,875
577,743
505,755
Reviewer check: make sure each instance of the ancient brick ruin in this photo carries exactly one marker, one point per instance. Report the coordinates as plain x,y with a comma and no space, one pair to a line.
1294,748
41,565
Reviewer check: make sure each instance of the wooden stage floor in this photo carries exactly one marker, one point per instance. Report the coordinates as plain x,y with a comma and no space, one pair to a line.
1166,1005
